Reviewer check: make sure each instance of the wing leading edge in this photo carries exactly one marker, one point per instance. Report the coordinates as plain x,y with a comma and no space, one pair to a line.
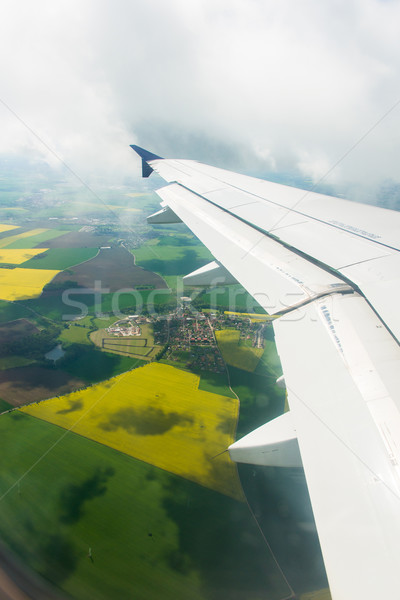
330,268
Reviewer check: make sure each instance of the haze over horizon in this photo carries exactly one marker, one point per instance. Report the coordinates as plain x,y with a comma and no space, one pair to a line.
260,87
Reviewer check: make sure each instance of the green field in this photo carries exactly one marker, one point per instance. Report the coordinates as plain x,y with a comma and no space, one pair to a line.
231,298
4,405
60,258
270,363
75,334
53,307
33,240
260,399
10,311
10,362
151,534
93,365
100,323
171,260
217,383
235,352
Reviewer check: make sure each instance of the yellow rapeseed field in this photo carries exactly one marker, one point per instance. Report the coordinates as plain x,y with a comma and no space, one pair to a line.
242,357
16,257
20,284
158,415
7,227
254,317
4,242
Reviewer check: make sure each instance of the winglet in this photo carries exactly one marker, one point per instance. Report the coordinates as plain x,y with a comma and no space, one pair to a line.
146,156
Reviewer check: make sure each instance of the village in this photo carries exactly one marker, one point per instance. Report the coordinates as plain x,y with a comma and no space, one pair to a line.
189,336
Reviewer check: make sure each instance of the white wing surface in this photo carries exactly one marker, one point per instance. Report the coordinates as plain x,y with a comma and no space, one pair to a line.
331,269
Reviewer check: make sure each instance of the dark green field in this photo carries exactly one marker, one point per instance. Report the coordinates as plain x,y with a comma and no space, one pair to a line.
60,258
93,365
171,259
269,364
9,311
51,304
232,297
4,405
151,534
216,383
260,399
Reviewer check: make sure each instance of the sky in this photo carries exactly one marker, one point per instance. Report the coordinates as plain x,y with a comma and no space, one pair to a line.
257,86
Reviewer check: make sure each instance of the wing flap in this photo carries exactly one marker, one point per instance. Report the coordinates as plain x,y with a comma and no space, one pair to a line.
342,372
273,444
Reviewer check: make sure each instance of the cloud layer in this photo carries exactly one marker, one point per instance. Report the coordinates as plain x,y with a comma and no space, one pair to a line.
247,84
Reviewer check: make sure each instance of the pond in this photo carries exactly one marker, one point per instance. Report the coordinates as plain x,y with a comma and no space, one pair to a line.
56,353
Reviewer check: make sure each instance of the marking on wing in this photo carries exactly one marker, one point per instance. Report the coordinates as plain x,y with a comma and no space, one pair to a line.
367,379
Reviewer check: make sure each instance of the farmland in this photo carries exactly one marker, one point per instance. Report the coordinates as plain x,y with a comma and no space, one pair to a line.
254,317
171,259
21,284
137,472
152,534
156,414
4,228
9,311
118,279
75,333
11,362
35,237
92,365
5,242
58,258
52,305
23,384
269,363
18,256
29,239
115,268
77,239
228,298
16,330
235,353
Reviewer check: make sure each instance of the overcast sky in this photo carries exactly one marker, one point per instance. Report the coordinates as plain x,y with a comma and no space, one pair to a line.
253,85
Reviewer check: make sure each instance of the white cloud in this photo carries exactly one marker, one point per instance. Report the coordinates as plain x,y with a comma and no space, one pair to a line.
289,85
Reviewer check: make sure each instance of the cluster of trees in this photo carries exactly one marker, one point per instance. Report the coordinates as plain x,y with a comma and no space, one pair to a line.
161,353
32,346
61,285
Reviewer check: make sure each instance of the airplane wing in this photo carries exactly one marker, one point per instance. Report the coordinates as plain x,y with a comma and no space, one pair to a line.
331,269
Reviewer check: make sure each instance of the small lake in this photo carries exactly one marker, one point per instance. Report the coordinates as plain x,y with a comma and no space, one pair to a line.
56,353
